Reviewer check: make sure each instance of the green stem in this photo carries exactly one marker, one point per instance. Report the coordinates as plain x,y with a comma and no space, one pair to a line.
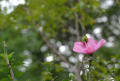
90,74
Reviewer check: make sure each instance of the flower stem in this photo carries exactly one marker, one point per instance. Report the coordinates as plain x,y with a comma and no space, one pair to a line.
90,74
90,64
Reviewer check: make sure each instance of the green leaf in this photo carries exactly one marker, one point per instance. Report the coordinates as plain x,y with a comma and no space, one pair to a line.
10,55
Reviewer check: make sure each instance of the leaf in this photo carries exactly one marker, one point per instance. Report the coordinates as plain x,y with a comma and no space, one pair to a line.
2,55
10,55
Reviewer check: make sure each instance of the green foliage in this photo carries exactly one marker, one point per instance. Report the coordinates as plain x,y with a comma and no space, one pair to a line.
56,19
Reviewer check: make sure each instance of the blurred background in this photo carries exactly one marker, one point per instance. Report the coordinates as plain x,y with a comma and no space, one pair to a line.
39,32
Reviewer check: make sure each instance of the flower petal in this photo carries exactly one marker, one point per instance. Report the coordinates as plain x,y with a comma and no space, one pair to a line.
100,43
90,50
79,47
91,43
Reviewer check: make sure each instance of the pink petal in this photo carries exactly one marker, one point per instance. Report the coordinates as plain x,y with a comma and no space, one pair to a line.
92,43
79,47
90,50
100,43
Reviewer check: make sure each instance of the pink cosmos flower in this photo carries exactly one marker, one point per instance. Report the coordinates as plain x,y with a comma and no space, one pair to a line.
88,47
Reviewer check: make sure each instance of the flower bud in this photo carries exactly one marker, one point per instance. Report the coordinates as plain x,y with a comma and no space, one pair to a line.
85,39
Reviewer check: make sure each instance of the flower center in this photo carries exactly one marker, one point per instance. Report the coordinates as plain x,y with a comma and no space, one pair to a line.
85,44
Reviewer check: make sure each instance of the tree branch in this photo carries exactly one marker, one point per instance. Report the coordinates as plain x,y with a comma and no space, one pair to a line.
77,26
7,61
77,72
78,65
83,29
54,50
79,22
